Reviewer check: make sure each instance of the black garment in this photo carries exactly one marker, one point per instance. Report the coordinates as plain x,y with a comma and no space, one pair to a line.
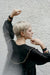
17,53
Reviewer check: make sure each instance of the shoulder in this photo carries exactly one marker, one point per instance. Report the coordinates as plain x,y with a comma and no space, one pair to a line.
29,47
24,46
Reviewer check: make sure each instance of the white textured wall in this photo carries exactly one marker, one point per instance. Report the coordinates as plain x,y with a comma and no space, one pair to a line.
37,12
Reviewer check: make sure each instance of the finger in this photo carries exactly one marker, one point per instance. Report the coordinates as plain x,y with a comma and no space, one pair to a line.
18,10
17,13
32,40
34,43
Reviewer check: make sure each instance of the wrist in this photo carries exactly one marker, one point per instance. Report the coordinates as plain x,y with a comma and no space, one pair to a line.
42,45
43,48
46,51
10,17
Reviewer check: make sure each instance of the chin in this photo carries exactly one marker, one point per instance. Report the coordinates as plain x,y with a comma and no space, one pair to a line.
30,37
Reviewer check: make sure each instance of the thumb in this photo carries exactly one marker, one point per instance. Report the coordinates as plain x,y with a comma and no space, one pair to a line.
33,42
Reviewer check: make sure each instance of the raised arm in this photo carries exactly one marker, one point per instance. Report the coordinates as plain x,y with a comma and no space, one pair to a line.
8,30
8,27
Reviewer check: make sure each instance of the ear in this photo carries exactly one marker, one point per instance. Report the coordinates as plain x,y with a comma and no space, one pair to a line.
22,33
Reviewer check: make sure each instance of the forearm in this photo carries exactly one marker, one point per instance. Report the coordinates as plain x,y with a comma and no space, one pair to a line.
15,12
43,46
39,58
8,27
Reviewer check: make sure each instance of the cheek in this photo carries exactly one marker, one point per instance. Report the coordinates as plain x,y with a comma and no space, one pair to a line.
28,34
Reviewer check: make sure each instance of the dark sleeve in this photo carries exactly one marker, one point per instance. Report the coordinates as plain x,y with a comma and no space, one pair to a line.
8,33
39,58
8,30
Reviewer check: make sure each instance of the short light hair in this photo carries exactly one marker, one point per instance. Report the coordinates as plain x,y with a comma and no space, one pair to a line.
20,26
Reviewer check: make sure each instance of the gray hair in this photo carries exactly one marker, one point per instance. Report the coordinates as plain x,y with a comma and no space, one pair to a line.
20,26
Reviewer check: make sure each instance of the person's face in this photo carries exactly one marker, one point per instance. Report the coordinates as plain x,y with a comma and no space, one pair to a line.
28,33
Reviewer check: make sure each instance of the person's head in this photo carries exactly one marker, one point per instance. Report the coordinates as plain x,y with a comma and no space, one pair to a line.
23,29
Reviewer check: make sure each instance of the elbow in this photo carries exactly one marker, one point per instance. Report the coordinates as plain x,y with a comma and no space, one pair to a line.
4,27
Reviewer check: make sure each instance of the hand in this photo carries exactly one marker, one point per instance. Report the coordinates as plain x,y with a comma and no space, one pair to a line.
36,41
15,12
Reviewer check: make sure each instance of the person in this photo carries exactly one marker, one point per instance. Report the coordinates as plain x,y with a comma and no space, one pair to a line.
22,58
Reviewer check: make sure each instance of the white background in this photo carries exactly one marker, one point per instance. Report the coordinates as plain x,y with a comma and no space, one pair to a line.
37,12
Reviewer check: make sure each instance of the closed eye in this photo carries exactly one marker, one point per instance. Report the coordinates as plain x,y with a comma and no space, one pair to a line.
30,30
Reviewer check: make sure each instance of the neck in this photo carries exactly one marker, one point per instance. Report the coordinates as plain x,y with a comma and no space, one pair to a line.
21,40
